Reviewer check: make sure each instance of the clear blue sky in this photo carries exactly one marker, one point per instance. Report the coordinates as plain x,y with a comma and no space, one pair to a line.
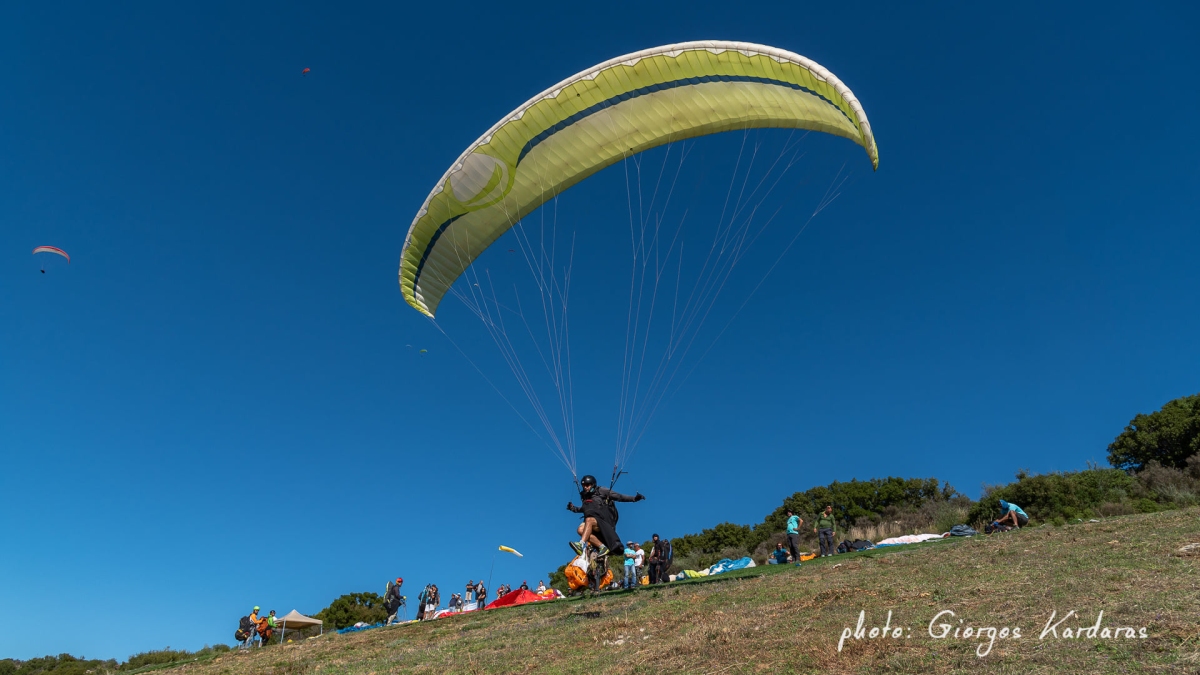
213,406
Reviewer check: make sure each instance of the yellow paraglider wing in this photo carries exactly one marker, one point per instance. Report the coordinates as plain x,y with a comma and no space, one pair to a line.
600,116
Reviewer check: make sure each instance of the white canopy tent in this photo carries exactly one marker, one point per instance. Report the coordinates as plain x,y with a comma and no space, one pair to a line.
297,621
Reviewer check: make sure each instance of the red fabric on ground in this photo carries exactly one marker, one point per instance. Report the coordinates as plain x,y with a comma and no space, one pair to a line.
515,598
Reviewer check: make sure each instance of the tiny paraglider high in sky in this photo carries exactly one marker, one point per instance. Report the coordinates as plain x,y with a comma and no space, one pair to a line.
305,71
509,549
51,249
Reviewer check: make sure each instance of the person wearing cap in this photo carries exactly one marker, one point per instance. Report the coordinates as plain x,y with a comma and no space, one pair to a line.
393,601
639,562
469,594
1013,515
630,567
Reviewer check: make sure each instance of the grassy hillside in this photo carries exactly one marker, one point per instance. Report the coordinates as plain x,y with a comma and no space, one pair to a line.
787,619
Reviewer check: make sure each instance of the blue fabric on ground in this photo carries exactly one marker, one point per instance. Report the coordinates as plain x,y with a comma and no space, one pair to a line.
355,629
726,565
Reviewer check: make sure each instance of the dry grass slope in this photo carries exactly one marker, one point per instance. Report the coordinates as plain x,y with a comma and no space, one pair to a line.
776,620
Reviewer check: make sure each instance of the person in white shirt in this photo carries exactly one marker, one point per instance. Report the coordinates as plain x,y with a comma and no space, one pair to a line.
639,559
541,586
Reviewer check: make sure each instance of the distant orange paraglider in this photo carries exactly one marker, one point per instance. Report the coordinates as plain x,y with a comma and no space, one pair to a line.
304,72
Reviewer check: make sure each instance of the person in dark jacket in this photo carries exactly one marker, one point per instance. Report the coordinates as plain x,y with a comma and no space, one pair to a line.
393,601
824,527
599,527
659,559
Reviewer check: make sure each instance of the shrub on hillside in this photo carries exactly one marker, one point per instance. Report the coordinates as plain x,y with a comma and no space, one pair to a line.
1065,495
63,664
1166,485
352,608
714,539
1169,436
854,500
764,548
168,655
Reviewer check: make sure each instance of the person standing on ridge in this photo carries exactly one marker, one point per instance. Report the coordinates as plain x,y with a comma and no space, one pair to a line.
254,623
630,567
393,601
469,594
480,595
600,516
824,527
793,535
422,602
658,560
266,629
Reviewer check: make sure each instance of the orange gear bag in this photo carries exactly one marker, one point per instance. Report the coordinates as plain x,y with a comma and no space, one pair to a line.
576,578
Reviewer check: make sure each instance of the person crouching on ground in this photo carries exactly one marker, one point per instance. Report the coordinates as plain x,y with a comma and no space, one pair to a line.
825,527
779,556
1013,515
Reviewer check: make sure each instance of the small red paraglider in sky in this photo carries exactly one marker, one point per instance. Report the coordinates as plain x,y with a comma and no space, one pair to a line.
304,72
51,249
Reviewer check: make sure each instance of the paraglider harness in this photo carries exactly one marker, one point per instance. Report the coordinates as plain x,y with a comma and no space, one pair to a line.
245,630
597,565
393,601
607,501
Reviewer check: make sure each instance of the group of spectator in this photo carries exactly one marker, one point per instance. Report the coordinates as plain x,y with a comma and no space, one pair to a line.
639,565
429,600
475,592
254,628
825,528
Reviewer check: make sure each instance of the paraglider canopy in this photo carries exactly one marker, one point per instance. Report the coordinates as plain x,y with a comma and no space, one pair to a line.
304,72
600,116
52,249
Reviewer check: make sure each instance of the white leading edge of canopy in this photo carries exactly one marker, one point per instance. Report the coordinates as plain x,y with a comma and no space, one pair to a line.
674,51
